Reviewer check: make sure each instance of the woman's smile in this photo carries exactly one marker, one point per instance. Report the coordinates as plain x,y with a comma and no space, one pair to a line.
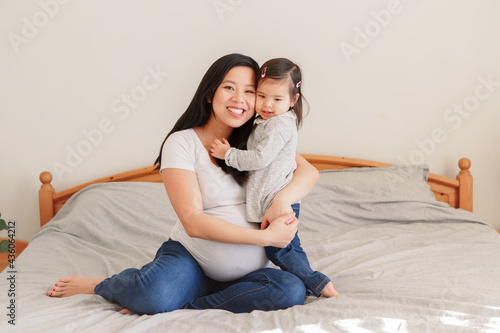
236,110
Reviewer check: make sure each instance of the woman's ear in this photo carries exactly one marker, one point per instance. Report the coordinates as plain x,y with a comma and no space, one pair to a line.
209,100
294,100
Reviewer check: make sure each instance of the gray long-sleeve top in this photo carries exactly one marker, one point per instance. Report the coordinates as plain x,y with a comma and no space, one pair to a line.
270,158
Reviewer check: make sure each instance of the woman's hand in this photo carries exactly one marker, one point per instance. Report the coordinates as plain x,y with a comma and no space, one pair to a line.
276,210
281,231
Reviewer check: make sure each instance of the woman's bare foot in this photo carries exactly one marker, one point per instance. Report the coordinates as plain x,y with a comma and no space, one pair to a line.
329,291
74,285
127,311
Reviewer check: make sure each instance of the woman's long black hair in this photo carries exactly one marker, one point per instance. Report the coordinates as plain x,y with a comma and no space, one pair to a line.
199,110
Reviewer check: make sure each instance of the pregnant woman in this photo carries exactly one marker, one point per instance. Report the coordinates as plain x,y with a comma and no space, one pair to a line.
214,258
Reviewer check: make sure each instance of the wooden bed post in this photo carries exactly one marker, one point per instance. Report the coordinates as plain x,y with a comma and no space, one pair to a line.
46,198
464,178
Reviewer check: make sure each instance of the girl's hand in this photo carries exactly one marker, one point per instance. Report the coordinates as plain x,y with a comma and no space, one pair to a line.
281,231
218,149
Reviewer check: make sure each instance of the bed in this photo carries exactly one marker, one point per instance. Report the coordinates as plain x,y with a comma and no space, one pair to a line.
400,244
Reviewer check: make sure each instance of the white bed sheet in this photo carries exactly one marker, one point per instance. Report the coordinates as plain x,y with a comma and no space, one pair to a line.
399,265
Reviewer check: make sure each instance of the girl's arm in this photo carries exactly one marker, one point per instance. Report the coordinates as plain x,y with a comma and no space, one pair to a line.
304,179
185,196
275,133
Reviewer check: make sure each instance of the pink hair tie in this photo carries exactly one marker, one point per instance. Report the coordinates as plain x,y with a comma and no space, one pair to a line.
298,84
263,72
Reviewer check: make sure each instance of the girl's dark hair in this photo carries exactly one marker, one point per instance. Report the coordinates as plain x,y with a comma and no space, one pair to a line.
199,110
282,69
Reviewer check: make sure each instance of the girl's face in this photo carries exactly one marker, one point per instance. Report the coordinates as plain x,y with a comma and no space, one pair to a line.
273,98
234,99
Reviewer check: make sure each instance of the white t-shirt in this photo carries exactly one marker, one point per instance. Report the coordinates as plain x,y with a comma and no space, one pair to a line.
222,197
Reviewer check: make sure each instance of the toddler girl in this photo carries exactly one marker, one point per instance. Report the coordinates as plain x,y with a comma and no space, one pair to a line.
270,158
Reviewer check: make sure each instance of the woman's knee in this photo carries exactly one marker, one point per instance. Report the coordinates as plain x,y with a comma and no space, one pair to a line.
163,285
287,290
157,296
294,289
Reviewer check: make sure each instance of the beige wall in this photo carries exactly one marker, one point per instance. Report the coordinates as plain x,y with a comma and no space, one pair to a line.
90,88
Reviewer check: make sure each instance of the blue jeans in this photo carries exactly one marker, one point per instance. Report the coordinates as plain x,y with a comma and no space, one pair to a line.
294,260
174,280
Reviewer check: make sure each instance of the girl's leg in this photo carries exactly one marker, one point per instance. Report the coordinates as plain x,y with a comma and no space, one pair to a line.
293,259
265,289
165,284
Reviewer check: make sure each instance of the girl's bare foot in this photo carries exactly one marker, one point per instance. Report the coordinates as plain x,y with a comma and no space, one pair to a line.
329,291
74,285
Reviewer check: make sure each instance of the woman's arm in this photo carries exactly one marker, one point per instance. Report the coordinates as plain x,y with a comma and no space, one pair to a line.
185,196
303,180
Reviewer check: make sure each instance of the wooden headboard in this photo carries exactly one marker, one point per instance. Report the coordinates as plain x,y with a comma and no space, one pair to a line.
456,192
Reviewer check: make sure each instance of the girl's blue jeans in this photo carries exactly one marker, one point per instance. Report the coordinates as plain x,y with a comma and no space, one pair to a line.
174,280
293,259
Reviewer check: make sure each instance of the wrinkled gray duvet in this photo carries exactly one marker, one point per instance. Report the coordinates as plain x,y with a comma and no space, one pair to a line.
399,265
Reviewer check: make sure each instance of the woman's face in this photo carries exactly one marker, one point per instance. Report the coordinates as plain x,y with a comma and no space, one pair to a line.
234,99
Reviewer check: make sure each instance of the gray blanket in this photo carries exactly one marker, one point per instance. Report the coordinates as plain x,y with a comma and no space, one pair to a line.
399,265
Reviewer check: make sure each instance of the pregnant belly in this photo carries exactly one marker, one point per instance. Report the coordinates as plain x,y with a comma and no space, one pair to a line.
220,261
